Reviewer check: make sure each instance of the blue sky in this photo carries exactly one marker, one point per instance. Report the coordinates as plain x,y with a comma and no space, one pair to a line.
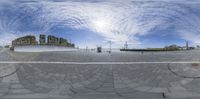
142,23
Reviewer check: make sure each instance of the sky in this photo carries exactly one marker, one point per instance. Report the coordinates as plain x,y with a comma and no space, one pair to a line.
91,23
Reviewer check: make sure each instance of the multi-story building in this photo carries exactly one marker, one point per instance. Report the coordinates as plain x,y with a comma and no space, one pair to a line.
26,40
52,40
63,42
42,39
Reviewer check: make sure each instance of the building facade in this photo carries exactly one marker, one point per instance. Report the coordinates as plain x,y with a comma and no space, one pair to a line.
63,42
42,39
51,41
26,40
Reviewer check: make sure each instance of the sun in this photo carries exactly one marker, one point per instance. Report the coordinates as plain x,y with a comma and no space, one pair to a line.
100,24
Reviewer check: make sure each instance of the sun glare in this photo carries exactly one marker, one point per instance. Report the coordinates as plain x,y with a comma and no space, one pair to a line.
100,24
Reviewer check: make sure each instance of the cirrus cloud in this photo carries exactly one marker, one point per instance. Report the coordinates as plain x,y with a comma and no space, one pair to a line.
123,20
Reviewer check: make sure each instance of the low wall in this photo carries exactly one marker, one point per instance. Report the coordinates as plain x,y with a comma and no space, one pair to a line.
146,50
43,48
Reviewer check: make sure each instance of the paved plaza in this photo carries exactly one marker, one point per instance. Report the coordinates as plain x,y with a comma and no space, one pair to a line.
67,80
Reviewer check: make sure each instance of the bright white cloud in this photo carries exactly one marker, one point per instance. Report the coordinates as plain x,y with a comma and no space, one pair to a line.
114,21
118,21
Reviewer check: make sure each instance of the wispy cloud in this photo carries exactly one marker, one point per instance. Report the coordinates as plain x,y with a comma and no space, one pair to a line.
122,20
118,21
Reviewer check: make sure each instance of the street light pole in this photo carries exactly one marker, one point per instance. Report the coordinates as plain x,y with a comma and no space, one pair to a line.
110,46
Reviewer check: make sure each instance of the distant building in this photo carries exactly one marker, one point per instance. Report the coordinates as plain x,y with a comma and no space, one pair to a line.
63,42
51,41
172,47
7,46
191,48
26,40
42,39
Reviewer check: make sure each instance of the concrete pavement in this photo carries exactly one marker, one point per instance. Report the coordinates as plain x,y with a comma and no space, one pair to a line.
100,81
